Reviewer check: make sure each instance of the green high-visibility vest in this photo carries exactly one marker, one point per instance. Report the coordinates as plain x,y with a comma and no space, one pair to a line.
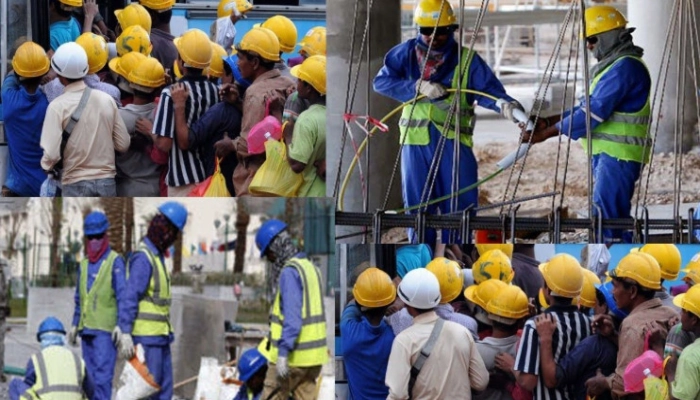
98,306
59,375
415,121
153,318
310,348
624,135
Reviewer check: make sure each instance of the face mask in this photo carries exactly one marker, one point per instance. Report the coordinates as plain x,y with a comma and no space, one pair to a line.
95,245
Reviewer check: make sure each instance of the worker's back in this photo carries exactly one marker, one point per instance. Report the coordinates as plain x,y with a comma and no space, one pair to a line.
59,374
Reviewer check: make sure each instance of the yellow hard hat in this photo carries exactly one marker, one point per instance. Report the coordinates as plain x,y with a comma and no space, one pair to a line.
689,301
30,61
72,3
509,302
692,270
176,71
668,256
374,289
506,248
261,41
284,29
449,276
545,305
600,19
482,293
227,6
125,64
563,275
95,47
158,5
313,72
148,74
493,264
641,268
134,14
588,298
314,42
216,67
194,48
427,12
134,38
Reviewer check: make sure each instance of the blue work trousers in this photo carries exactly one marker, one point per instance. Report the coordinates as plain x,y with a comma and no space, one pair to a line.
613,189
160,364
100,355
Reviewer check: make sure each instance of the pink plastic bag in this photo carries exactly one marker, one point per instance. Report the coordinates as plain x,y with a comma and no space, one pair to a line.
269,128
634,373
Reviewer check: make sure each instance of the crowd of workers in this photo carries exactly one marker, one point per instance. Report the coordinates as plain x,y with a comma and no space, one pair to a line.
123,304
138,112
495,323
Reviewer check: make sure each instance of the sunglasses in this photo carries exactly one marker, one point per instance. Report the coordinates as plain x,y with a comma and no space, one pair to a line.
441,31
95,237
592,40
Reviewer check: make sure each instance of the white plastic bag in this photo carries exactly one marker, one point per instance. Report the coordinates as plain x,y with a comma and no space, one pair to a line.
136,382
50,187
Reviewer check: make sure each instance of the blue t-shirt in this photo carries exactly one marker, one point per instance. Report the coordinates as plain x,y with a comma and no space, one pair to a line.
63,32
366,351
411,257
581,363
24,117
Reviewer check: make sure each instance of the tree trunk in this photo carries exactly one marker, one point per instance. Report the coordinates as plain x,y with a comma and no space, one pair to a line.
177,256
114,209
128,224
54,253
242,221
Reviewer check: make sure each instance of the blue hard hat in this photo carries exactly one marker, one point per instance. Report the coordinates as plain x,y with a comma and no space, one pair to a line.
175,212
232,62
267,232
606,289
95,223
50,324
250,362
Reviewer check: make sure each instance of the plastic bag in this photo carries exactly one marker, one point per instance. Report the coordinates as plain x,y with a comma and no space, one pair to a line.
136,381
50,187
275,177
655,388
214,186
269,128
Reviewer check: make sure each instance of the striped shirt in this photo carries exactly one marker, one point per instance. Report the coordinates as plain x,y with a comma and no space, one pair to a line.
572,327
185,166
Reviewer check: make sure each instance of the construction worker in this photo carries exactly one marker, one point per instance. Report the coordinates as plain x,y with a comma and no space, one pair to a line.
447,345
216,68
134,38
252,368
87,157
619,115
365,336
164,50
24,105
286,33
140,168
63,26
120,68
96,49
493,264
592,353
563,277
478,297
412,256
312,44
669,258
223,30
54,372
636,279
506,311
257,52
683,376
422,125
297,342
678,338
306,146
132,14
587,299
98,300
145,318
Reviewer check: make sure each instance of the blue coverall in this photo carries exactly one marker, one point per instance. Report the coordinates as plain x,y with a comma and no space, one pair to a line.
624,88
19,386
397,79
99,352
156,348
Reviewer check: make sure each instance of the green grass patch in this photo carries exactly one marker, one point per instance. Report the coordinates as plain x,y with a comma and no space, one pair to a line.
253,312
18,308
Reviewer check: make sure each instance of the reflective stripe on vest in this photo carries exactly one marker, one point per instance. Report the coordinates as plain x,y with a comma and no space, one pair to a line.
153,318
55,377
310,348
415,120
98,306
624,135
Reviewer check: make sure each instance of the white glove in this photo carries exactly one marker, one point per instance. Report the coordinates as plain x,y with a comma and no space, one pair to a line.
431,90
116,335
282,367
73,336
507,109
126,347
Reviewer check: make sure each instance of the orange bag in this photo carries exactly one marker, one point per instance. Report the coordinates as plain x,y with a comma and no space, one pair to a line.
214,186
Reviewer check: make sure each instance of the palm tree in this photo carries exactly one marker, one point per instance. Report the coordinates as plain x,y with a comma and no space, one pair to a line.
242,221
55,221
114,209
129,223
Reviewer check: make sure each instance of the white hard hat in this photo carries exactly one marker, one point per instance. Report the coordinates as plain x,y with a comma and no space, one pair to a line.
112,51
420,289
468,276
70,61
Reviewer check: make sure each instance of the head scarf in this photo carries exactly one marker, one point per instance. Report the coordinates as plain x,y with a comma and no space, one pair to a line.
611,46
96,248
161,232
283,247
435,57
52,339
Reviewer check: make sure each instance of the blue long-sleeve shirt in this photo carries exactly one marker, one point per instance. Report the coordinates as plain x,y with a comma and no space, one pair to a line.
209,128
397,78
30,379
291,293
582,362
140,270
624,88
118,285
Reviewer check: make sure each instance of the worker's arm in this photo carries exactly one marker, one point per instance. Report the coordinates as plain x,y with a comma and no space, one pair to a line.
291,293
120,135
76,300
478,374
50,141
398,370
482,79
683,377
221,119
140,270
180,94
546,325
119,281
30,374
300,147
90,9
393,79
163,124
527,360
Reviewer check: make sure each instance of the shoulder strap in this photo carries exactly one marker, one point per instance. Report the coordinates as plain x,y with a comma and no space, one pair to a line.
424,354
74,118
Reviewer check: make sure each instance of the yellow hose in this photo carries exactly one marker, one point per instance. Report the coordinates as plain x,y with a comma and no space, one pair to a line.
346,180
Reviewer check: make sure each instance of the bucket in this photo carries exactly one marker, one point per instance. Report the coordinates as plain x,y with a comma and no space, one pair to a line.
136,382
488,236
267,129
634,373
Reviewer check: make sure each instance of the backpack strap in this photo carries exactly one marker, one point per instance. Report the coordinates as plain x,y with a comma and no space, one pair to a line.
424,354
74,118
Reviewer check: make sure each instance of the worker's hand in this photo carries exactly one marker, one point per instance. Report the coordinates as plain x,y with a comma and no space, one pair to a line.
144,126
431,90
51,75
224,147
507,109
126,347
116,335
531,308
229,93
505,362
282,367
673,321
537,136
90,8
542,123
545,325
670,368
73,336
597,385
603,324
395,307
179,93
321,169
168,78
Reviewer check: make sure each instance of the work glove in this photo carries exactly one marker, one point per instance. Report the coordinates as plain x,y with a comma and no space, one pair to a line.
126,346
116,335
431,90
73,336
507,109
282,367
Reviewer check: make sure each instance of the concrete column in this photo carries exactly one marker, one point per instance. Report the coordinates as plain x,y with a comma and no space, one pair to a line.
652,18
385,32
